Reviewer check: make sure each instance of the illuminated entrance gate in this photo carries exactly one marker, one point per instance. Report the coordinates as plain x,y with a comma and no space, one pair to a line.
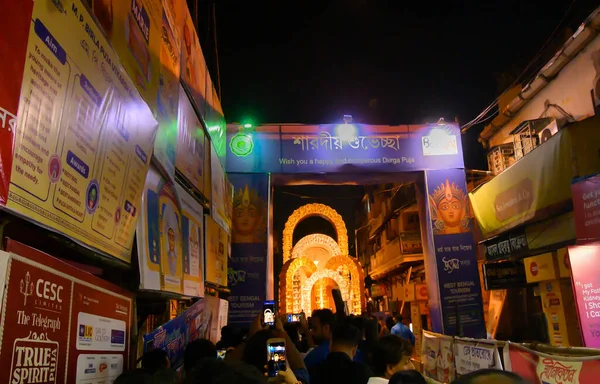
428,155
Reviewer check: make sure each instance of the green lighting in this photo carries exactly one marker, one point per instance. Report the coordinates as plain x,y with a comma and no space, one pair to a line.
247,125
241,144
214,128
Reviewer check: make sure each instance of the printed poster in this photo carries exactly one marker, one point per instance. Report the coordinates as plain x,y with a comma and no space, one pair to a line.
84,136
192,158
176,334
192,214
134,29
471,355
165,145
160,236
15,28
217,252
437,357
455,255
221,193
248,263
540,368
193,67
60,314
211,307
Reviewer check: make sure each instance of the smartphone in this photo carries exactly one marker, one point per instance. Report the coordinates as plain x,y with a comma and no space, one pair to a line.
276,359
293,317
269,313
221,353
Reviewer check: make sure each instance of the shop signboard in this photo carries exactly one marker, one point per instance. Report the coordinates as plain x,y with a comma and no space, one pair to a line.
558,368
540,268
504,274
13,62
506,245
585,270
75,325
410,243
586,206
173,336
84,136
343,148
460,301
247,272
217,252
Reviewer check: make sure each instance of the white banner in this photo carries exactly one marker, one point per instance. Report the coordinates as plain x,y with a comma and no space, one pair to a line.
437,355
471,355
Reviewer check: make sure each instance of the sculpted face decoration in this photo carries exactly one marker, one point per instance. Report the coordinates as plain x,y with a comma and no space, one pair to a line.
249,217
449,209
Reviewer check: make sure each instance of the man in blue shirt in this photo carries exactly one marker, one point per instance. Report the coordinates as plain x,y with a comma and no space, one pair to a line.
402,330
321,323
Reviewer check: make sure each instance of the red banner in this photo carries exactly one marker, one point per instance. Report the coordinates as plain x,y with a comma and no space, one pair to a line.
586,206
540,368
14,32
60,324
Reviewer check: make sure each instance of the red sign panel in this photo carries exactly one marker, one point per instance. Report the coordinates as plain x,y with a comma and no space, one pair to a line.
586,206
14,32
60,322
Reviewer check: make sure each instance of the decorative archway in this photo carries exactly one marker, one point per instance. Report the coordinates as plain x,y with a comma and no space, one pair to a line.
310,282
316,239
286,280
309,210
357,275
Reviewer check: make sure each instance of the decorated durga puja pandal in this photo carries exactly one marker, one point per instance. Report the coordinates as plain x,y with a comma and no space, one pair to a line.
145,237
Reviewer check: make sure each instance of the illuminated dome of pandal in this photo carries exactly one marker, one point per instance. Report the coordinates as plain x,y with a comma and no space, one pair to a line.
317,263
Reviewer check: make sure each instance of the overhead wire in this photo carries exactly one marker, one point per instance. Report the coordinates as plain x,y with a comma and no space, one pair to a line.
477,120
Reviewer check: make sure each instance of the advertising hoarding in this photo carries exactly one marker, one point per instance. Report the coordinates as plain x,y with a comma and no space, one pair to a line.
84,136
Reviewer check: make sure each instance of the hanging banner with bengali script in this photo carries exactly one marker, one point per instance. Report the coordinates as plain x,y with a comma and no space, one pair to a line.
217,252
221,193
437,356
455,255
540,368
84,136
474,354
192,234
249,247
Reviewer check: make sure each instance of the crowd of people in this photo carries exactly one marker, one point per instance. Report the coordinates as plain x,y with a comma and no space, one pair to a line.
326,348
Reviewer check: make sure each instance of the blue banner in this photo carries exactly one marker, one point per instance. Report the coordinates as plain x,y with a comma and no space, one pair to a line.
345,148
248,264
455,254
176,334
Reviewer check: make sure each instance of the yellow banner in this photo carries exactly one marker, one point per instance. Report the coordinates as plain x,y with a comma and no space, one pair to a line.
133,28
84,136
540,268
217,252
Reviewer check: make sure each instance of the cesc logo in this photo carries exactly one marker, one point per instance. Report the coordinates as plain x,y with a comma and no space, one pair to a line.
47,294
534,268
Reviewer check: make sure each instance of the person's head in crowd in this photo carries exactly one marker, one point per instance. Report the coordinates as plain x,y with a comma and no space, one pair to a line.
155,360
389,322
322,323
137,376
345,339
407,377
490,376
165,376
255,351
399,318
224,372
391,354
359,323
196,351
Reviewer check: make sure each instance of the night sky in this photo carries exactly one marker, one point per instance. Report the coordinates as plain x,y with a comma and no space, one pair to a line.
383,62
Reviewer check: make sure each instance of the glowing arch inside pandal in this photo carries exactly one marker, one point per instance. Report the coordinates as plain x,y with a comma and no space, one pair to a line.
316,258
